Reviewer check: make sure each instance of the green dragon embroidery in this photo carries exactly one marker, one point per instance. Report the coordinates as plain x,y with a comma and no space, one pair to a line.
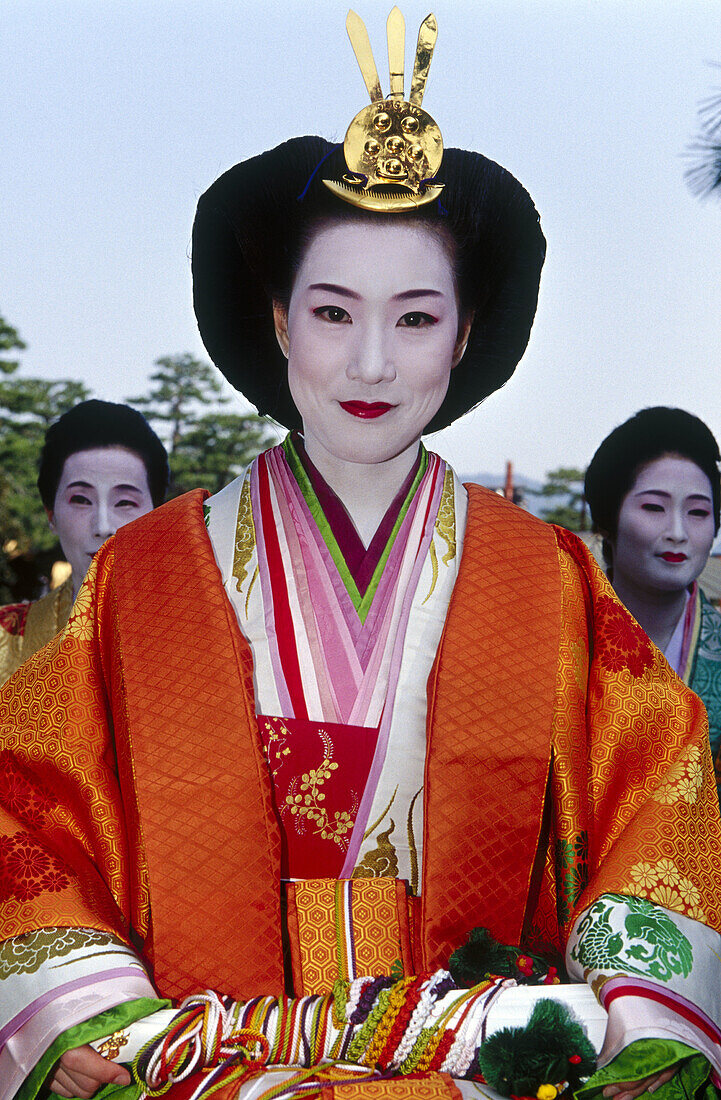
650,944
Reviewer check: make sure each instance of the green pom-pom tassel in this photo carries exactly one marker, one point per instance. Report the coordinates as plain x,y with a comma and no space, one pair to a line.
482,957
551,1048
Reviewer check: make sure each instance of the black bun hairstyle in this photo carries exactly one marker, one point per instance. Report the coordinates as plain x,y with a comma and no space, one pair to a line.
644,437
253,222
101,424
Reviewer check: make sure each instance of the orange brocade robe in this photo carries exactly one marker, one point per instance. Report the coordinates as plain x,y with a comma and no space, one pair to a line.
559,743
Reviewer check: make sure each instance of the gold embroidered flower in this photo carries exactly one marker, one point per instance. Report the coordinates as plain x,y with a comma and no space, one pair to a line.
687,790
644,874
666,795
667,872
665,884
666,896
683,780
694,769
342,824
307,807
689,891
81,621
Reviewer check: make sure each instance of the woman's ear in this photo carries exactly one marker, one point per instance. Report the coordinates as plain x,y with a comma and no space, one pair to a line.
464,332
280,321
51,518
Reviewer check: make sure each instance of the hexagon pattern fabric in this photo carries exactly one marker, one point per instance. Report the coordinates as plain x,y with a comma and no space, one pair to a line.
346,929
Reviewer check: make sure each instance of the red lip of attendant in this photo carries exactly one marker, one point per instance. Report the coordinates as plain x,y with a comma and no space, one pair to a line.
366,410
674,557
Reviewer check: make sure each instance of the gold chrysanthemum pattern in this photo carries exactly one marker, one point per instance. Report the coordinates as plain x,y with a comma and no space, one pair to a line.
683,780
82,619
663,883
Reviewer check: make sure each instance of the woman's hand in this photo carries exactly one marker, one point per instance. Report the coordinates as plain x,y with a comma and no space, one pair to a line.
81,1072
628,1090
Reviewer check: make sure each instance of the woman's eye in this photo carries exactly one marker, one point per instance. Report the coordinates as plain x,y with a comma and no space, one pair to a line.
648,507
699,513
78,498
126,504
417,320
335,314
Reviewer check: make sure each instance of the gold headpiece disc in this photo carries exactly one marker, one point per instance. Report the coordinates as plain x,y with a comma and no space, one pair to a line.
393,148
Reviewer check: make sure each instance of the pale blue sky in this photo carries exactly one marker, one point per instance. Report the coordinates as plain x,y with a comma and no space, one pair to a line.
116,116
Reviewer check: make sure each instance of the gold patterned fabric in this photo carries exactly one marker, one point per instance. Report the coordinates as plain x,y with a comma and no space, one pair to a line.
26,628
627,794
635,813
346,928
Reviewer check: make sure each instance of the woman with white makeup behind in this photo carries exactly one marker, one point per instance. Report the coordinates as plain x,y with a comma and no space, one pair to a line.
653,490
101,466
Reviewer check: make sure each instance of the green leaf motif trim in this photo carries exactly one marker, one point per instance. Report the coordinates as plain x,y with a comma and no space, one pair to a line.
26,954
650,944
571,874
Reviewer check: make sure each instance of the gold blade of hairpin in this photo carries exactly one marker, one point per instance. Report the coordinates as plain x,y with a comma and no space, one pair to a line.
363,54
396,31
424,53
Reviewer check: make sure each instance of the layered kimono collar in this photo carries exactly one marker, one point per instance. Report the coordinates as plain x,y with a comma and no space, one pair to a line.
356,563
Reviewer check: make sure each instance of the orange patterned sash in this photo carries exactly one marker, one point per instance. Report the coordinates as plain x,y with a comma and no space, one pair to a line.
203,787
489,729
433,1086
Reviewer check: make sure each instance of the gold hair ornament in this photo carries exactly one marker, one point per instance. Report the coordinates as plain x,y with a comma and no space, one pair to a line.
392,148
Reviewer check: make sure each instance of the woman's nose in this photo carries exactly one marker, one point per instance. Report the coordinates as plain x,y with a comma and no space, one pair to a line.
104,525
677,526
371,361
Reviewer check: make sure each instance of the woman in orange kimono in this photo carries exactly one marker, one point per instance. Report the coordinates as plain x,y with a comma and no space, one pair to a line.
347,705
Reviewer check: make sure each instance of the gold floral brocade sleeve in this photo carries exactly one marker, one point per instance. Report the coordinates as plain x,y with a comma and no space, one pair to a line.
66,858
633,803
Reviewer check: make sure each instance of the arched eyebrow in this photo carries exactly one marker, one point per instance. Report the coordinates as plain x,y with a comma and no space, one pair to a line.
423,292
665,494
121,488
333,288
403,296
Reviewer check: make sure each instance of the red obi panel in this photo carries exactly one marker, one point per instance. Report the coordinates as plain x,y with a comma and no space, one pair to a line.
319,771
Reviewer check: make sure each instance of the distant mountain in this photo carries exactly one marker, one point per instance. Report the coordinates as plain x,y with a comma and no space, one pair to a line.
531,503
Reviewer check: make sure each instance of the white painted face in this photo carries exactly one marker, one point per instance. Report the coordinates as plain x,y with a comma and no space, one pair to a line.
665,527
371,336
100,490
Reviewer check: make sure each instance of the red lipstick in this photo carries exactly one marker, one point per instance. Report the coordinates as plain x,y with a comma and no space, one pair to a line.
674,557
366,410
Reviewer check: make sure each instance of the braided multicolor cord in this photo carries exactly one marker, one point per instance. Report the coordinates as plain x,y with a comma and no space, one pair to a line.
371,1026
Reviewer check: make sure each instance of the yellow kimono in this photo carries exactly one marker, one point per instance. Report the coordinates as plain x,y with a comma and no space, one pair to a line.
27,627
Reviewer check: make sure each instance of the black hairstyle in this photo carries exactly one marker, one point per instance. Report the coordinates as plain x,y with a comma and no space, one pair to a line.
101,424
250,229
644,437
